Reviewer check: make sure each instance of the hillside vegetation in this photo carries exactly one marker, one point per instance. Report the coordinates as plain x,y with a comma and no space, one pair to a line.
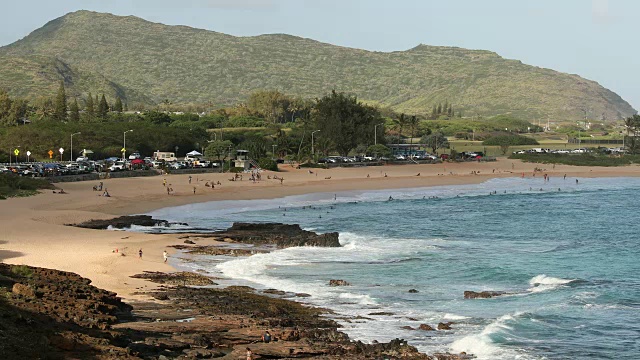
146,63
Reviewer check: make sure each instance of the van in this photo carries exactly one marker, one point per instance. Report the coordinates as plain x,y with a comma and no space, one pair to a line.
165,155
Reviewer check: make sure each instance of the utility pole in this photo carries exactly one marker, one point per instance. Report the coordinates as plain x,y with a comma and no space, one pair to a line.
71,152
375,134
312,150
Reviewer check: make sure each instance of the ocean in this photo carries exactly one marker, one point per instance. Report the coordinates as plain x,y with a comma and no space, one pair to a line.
566,254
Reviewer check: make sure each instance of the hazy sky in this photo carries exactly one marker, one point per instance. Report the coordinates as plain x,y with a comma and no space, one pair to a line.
591,38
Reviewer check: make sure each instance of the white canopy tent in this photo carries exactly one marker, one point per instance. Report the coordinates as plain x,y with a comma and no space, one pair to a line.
194,153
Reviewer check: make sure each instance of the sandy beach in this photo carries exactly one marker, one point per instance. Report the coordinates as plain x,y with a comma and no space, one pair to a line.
34,230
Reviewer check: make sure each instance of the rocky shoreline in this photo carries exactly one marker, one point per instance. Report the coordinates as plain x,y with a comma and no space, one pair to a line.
51,314
77,320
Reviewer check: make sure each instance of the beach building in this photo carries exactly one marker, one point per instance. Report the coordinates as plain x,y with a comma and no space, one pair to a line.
242,160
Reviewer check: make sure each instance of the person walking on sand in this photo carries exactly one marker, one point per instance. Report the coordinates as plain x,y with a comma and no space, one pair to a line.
140,254
189,179
165,256
164,182
249,354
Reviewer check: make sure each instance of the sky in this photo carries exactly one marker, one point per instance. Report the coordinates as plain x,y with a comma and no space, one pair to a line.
591,38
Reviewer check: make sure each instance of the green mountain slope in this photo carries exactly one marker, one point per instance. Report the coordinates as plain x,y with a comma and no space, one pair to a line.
149,62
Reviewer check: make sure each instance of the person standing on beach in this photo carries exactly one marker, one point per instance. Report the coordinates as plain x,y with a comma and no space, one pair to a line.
140,254
189,179
164,182
165,255
249,354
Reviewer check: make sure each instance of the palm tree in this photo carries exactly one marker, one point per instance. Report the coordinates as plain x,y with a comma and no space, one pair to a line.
402,121
628,124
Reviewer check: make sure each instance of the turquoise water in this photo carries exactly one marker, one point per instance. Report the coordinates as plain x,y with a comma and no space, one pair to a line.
567,253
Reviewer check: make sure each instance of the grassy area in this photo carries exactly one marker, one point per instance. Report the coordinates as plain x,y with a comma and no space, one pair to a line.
553,144
579,159
13,185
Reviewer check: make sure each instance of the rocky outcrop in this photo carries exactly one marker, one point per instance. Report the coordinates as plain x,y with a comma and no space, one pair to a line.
183,278
218,250
280,235
445,326
69,318
23,290
337,282
413,291
55,314
482,294
425,327
122,222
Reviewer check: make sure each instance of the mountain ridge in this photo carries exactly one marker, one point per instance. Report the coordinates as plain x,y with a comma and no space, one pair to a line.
149,62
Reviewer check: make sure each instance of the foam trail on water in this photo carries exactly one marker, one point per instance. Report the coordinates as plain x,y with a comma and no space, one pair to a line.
540,283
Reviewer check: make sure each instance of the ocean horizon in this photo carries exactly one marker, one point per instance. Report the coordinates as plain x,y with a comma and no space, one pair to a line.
563,252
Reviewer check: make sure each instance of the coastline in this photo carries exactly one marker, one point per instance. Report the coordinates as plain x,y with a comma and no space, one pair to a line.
35,231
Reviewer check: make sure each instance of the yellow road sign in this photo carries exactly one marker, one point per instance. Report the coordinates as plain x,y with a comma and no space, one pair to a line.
16,152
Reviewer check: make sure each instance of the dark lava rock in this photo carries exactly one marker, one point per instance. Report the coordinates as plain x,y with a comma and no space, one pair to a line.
382,313
482,294
6,282
274,292
189,242
335,282
218,250
407,328
413,291
426,327
302,295
281,235
444,326
52,314
122,222
178,278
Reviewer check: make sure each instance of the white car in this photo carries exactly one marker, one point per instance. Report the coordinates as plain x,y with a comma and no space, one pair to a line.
134,156
117,166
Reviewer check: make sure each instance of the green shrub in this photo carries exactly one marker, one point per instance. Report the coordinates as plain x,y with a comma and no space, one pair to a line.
13,185
22,271
268,164
509,139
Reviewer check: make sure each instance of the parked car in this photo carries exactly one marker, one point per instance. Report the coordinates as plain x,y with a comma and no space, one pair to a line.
134,156
400,157
117,166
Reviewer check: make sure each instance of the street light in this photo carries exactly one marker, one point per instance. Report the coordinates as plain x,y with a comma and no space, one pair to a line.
71,152
375,133
273,150
124,144
313,153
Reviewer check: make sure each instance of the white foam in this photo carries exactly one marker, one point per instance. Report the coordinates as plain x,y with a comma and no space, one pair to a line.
448,316
541,283
482,346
